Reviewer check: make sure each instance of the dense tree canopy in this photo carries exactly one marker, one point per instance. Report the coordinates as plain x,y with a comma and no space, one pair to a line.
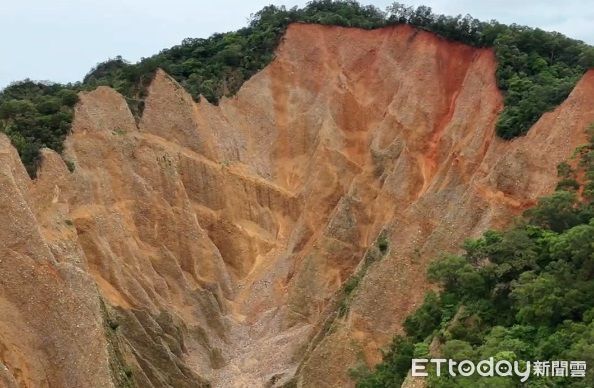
36,115
525,293
536,71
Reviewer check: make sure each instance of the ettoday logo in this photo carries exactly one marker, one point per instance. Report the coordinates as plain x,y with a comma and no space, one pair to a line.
491,368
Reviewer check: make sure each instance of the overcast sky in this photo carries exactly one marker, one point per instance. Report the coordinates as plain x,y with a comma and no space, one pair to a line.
61,40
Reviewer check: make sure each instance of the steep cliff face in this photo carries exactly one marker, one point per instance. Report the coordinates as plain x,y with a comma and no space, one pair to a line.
207,244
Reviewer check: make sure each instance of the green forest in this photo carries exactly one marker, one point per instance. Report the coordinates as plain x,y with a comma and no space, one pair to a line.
525,293
536,69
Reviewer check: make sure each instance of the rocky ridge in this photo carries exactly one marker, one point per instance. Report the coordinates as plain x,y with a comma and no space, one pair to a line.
208,244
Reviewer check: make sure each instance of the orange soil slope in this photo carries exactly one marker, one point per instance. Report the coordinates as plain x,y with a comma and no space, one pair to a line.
206,244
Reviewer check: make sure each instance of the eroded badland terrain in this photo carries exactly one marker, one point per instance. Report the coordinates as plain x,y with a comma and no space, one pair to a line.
207,244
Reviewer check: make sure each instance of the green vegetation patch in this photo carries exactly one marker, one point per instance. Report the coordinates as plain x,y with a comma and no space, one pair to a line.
36,115
525,293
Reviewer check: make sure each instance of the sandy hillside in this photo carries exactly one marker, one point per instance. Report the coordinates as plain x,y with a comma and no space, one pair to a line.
206,244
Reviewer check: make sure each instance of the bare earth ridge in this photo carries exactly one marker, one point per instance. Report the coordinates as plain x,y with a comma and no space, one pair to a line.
207,244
